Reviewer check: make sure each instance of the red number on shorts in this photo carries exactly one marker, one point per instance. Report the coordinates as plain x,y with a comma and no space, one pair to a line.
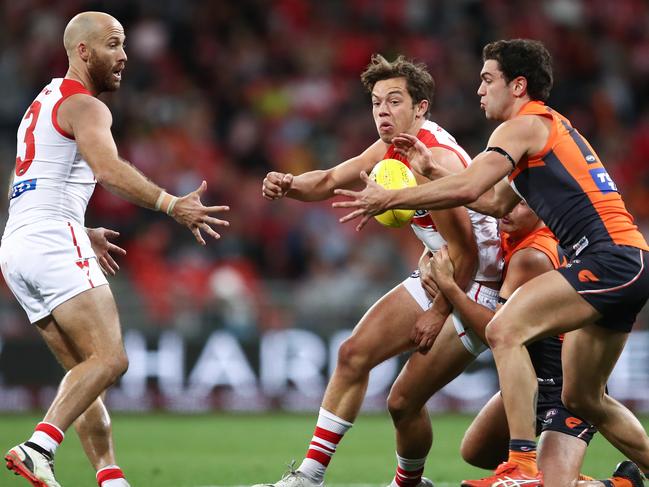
30,150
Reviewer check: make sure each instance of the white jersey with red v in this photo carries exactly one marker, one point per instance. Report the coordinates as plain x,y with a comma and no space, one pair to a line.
485,228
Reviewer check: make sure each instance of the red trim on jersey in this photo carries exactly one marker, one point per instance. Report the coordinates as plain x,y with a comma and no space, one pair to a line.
68,88
74,239
425,221
477,293
51,431
456,152
430,141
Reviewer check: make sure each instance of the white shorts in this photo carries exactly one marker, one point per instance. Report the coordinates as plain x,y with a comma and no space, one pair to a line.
44,265
483,295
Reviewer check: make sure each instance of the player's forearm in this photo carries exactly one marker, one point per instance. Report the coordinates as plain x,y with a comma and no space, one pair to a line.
465,265
126,181
441,305
312,186
447,192
472,314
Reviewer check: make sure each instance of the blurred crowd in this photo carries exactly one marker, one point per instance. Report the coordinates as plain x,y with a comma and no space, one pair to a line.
227,91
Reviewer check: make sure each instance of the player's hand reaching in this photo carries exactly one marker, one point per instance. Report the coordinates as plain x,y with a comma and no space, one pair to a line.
442,269
426,329
189,211
276,185
366,203
426,276
102,247
419,156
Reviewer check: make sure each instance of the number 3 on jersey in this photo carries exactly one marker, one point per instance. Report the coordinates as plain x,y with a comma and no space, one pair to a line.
30,150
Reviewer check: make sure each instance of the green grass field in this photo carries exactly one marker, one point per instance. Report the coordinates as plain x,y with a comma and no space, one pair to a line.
226,450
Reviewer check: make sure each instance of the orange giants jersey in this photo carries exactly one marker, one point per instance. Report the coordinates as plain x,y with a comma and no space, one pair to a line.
569,189
542,240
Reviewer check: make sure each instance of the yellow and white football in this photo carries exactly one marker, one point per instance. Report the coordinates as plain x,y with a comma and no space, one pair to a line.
393,174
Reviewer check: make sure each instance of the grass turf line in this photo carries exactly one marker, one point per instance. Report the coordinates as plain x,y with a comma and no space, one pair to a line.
233,450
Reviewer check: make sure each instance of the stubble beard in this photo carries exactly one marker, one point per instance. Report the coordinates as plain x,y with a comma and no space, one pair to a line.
101,73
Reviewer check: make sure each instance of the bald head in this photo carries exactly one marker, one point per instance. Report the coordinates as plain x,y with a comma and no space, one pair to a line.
86,27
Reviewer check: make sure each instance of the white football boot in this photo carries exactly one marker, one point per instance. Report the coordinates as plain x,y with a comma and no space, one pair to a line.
293,478
32,463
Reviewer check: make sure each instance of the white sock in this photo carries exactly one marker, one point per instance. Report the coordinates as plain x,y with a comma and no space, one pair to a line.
47,436
409,472
328,432
111,476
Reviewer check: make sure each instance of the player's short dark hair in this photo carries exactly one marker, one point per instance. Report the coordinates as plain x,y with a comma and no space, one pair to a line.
419,82
523,57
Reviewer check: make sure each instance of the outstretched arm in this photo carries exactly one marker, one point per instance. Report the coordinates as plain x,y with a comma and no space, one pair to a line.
496,201
89,120
319,185
515,138
448,192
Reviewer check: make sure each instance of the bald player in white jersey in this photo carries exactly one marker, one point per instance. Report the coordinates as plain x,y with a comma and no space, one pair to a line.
64,148
411,315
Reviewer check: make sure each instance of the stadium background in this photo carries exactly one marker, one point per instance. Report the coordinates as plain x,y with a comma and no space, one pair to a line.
226,91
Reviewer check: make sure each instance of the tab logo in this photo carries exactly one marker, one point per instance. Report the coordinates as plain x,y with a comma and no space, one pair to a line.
603,180
19,188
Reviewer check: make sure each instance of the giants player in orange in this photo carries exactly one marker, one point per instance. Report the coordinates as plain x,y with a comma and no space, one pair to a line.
530,249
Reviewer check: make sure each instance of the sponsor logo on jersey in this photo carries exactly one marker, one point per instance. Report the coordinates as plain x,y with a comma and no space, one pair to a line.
572,422
580,246
587,276
603,180
551,412
20,187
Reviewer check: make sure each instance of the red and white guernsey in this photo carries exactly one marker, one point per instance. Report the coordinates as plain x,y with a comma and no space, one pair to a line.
51,179
485,228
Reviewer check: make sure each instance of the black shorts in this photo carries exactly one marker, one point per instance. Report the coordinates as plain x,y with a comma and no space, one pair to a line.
552,415
614,280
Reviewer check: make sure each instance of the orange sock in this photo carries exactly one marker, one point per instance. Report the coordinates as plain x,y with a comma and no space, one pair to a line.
621,482
585,477
526,460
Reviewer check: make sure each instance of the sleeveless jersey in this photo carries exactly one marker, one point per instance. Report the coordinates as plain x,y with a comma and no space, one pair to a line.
546,353
569,189
51,179
485,228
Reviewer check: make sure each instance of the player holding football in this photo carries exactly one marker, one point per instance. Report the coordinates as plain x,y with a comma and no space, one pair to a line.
65,146
535,154
401,92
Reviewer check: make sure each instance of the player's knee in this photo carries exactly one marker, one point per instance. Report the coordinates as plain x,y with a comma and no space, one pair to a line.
353,357
587,406
116,366
474,453
399,406
494,333
501,336
469,453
